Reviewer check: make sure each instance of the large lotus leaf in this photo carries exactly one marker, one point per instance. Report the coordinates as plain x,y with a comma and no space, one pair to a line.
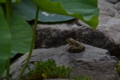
13,1
21,35
27,10
5,42
85,10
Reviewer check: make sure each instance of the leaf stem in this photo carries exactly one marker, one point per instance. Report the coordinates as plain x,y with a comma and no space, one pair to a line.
8,14
32,45
8,11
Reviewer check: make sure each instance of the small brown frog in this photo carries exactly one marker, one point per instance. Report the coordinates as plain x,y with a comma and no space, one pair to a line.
75,46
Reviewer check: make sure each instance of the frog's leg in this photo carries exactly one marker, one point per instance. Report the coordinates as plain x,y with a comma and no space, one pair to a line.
78,49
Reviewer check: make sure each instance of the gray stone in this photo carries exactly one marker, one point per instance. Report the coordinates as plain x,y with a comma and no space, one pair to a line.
93,61
117,5
55,35
112,1
109,23
107,9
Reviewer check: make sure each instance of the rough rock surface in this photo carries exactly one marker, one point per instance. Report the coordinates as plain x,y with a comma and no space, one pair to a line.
109,22
117,5
56,35
112,1
93,61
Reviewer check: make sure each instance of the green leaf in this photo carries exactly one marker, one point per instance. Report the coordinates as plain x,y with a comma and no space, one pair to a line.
85,10
13,1
21,35
27,9
16,1
5,42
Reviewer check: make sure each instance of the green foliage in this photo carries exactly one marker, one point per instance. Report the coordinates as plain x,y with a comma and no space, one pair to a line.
85,10
13,1
82,78
16,27
5,42
48,70
15,35
21,35
118,67
26,9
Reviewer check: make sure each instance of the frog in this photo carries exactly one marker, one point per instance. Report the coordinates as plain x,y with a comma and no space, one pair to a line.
75,46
